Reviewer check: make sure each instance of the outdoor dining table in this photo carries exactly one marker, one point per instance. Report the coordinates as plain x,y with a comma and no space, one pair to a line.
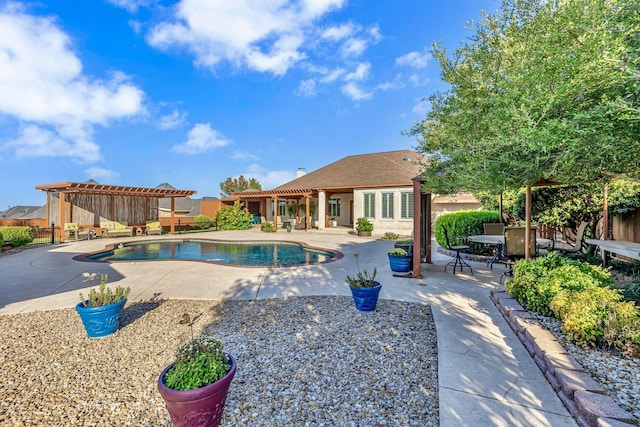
497,240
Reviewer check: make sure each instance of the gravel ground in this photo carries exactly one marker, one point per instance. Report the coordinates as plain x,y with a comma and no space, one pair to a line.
303,361
618,374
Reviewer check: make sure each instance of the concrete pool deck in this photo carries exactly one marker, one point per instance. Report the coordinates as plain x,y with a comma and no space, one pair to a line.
486,376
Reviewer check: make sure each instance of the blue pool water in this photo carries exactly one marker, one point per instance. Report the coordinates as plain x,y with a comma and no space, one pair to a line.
274,254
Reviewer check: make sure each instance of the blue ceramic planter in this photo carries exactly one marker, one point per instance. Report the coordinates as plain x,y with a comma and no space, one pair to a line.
366,299
400,263
100,321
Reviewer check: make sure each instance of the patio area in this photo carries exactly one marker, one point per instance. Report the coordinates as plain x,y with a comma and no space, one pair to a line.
270,318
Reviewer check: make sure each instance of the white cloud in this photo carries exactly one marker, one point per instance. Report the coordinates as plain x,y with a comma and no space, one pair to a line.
306,88
43,87
173,120
264,36
414,59
131,6
201,139
356,93
353,48
243,155
269,179
360,73
339,32
422,107
101,175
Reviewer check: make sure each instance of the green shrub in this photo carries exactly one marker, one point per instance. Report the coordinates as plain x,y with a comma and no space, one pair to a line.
363,224
584,313
391,236
622,328
235,217
17,235
538,280
1,239
202,222
267,227
462,224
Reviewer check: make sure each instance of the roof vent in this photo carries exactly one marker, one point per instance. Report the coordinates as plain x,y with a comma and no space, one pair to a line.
407,158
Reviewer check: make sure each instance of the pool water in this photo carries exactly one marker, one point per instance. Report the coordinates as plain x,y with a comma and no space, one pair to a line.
254,254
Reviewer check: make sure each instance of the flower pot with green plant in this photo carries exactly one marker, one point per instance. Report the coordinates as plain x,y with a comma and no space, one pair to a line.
364,226
100,310
364,288
399,260
195,386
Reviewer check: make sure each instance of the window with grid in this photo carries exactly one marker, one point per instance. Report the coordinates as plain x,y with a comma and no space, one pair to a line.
406,205
387,206
369,207
334,208
282,207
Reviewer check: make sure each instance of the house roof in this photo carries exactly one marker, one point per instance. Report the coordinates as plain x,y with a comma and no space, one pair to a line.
18,212
386,169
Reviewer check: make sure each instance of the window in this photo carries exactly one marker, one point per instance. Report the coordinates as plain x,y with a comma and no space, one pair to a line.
282,207
387,206
334,208
369,207
406,205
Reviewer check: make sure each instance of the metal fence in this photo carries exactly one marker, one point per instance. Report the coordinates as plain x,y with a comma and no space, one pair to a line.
45,235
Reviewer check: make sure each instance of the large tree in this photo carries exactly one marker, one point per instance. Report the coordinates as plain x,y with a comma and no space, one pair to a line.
235,185
543,90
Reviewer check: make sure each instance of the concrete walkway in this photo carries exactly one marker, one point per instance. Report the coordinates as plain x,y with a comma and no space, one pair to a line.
486,376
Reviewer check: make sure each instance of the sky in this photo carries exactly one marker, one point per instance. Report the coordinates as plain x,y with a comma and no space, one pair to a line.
192,92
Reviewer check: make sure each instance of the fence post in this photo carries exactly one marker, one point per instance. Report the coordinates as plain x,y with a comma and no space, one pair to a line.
178,225
53,233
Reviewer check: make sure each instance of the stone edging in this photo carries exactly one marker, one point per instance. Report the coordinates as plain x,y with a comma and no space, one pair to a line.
587,402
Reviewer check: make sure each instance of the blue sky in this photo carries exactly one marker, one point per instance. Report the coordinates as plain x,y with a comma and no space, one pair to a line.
142,92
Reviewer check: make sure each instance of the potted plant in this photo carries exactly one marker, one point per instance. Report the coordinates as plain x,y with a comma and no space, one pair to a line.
195,386
363,226
364,288
100,311
399,260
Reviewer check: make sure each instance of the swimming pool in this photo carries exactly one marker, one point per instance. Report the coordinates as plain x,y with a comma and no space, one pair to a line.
248,254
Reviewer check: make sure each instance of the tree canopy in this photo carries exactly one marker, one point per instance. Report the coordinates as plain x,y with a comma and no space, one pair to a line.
235,185
542,90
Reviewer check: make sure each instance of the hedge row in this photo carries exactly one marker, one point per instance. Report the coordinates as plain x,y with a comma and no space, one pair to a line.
17,235
462,224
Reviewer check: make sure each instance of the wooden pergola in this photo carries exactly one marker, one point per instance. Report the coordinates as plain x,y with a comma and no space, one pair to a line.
307,193
104,198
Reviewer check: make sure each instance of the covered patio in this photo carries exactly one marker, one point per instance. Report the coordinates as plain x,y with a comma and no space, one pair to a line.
87,204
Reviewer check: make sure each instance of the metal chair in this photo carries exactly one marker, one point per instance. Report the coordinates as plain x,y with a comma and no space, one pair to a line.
515,247
577,246
457,260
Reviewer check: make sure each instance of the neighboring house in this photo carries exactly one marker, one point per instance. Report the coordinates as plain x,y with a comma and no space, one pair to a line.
378,186
20,212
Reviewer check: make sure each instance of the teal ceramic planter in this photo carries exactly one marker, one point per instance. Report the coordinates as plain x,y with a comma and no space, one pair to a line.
100,321
366,299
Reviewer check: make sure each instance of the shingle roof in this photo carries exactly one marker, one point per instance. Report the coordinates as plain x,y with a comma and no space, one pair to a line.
387,169
18,212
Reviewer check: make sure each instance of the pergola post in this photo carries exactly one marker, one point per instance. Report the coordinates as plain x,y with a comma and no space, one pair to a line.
527,230
62,216
173,210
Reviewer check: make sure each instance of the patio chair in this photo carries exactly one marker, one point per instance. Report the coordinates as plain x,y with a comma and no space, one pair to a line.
301,224
514,247
577,246
71,230
154,228
457,259
493,228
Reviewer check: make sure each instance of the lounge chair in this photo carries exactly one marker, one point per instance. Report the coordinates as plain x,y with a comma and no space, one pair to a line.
154,228
71,229
116,229
577,246
301,224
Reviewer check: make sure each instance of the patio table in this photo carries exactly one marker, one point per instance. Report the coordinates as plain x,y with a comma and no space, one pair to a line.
497,240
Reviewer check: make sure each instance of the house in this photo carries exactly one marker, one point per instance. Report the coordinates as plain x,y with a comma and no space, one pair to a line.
378,186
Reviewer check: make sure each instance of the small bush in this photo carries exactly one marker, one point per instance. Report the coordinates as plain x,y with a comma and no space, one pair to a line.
234,217
584,313
363,224
17,235
622,328
391,236
202,222
267,227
